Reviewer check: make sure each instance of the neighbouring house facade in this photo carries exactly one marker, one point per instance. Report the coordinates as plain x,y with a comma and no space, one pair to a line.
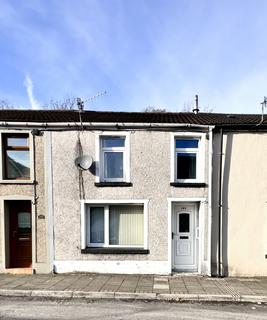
164,192
23,202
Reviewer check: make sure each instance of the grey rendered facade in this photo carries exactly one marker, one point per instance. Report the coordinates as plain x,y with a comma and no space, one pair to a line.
150,175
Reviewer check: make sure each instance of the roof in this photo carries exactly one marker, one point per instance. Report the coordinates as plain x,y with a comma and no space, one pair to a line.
48,116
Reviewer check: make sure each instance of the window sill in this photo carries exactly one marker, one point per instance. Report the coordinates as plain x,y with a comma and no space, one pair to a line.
17,182
115,250
189,184
113,184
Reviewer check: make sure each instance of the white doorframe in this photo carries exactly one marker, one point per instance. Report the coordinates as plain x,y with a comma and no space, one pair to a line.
202,202
186,262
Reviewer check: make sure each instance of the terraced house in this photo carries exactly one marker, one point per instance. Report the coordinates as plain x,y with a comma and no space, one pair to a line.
122,192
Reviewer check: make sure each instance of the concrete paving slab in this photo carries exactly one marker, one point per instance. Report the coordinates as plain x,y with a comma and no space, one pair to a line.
102,286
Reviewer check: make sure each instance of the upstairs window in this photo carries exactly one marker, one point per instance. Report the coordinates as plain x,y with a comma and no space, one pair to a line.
113,158
187,159
16,156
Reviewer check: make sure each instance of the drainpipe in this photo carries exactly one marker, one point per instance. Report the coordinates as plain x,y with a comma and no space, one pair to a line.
35,133
34,199
210,195
219,261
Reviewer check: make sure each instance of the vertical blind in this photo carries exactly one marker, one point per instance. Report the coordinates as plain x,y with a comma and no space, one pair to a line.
96,225
126,225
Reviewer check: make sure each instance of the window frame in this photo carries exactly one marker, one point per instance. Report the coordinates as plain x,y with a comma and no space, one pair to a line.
99,156
200,156
85,222
3,140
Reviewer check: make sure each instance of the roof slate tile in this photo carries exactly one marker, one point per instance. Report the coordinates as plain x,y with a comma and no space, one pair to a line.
46,116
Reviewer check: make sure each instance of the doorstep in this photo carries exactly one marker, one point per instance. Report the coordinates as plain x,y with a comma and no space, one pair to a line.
19,270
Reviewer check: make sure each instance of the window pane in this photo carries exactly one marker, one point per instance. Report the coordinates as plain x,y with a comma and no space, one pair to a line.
18,165
126,225
24,222
96,225
186,165
184,222
113,165
113,142
17,142
186,143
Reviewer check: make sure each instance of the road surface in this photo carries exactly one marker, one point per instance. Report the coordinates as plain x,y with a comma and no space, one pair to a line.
17,308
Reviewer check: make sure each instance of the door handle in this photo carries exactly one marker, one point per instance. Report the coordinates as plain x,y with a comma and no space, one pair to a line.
172,235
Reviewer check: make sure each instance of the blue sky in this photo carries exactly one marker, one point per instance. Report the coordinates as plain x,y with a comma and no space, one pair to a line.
142,52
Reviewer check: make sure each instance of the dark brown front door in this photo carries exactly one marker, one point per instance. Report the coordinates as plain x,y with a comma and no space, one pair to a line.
20,234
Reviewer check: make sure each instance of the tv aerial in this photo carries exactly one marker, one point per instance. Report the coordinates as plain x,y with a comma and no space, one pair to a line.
81,103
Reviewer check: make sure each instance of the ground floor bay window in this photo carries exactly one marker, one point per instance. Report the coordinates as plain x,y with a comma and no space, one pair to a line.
116,225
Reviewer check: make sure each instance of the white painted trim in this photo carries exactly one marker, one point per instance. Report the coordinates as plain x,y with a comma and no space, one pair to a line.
97,158
170,211
119,201
178,201
29,181
146,226
200,199
107,266
201,224
143,202
126,152
193,217
200,155
2,226
172,158
83,225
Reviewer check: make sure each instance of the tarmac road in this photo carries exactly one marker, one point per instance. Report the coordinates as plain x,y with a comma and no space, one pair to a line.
21,308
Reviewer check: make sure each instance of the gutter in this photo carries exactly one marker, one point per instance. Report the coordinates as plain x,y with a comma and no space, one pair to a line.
95,125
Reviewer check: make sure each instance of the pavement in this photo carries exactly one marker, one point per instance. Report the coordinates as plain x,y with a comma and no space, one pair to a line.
179,288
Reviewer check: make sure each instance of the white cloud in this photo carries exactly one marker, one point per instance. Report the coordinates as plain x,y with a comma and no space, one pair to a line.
29,87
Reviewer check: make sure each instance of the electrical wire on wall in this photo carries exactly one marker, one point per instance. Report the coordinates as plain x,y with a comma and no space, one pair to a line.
80,105
35,197
81,180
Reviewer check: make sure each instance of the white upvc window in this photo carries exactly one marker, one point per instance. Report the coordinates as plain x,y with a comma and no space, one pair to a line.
188,158
114,225
112,153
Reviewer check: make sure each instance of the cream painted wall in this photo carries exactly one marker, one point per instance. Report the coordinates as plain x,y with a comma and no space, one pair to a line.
150,175
244,203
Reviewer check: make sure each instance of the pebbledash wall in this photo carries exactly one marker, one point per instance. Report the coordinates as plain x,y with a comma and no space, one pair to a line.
150,161
41,255
244,203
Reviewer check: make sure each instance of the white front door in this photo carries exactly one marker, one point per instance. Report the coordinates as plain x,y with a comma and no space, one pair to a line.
184,238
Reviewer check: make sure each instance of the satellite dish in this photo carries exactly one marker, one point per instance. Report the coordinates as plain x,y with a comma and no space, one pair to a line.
83,162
